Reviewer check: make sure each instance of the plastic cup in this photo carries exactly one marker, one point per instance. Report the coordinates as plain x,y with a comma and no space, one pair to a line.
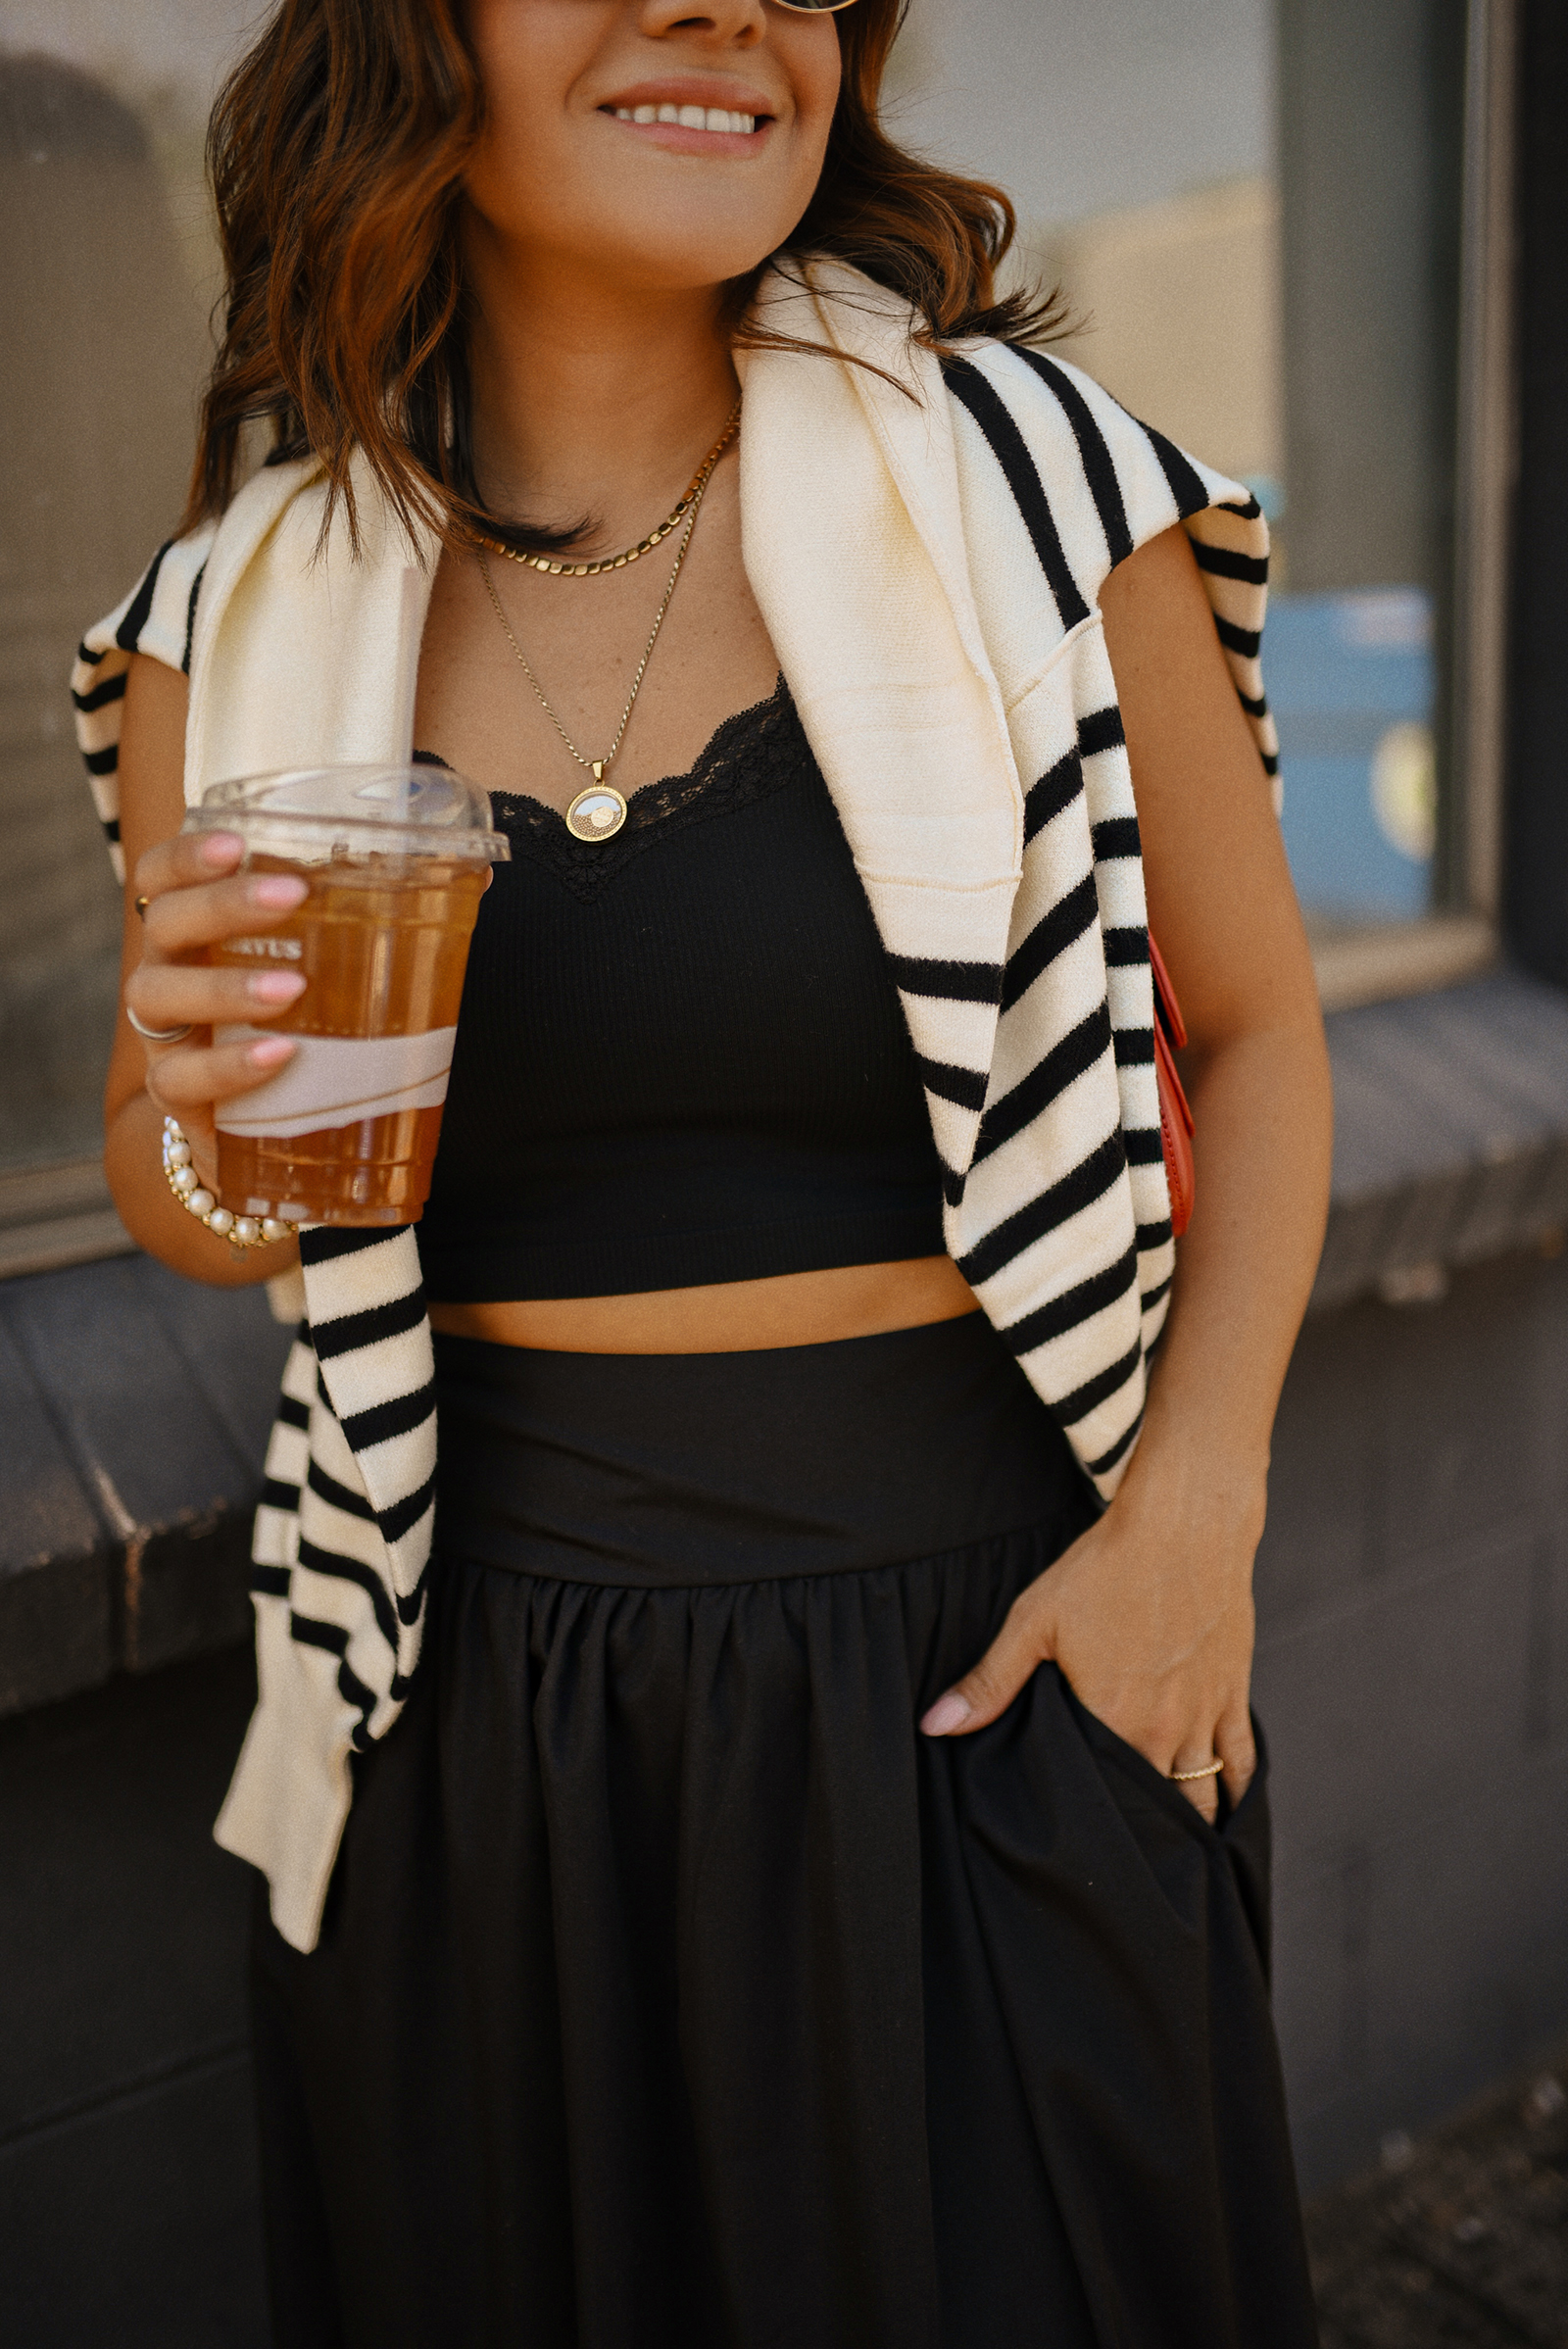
396,859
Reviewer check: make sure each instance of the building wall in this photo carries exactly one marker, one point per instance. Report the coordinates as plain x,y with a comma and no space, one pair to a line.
1081,107
1412,1677
1175,309
127,2165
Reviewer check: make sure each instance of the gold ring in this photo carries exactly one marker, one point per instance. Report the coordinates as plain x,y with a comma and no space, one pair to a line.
141,905
1209,1770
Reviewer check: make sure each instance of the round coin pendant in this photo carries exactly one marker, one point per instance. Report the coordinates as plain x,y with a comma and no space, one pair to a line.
596,813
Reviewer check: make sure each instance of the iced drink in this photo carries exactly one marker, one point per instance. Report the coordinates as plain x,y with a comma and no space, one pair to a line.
396,861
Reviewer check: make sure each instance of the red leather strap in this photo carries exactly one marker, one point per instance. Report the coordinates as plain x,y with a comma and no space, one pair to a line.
1175,1111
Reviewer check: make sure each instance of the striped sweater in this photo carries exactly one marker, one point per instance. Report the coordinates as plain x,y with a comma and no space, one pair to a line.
926,540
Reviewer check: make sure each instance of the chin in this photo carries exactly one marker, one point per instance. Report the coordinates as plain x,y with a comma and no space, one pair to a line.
676,252
682,265
665,230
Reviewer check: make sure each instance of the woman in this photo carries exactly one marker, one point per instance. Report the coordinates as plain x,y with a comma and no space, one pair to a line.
816,1889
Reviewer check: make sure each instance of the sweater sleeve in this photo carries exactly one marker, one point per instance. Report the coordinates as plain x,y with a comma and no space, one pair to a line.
1115,483
156,618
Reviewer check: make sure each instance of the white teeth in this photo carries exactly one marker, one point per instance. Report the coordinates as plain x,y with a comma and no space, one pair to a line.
689,117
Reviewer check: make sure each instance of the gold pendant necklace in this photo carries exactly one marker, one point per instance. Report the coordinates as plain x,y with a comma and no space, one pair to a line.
598,813
691,495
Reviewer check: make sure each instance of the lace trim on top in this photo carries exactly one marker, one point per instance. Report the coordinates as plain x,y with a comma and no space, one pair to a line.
746,757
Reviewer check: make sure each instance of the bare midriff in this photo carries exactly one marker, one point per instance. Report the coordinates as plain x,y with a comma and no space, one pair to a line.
730,1317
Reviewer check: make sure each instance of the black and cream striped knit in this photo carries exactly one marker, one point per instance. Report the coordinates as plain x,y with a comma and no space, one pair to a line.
927,554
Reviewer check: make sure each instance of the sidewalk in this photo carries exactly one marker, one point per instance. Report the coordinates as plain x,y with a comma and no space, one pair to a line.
1460,2241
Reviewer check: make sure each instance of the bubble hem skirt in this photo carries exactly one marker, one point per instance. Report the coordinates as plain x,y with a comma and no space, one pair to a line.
673,1990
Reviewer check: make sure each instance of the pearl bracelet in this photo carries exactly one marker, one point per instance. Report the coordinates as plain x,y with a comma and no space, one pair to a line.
240,1231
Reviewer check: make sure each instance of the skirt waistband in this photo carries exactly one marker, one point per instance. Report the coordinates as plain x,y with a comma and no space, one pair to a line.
653,1470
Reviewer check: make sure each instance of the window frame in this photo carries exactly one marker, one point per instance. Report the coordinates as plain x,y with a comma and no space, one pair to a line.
1461,940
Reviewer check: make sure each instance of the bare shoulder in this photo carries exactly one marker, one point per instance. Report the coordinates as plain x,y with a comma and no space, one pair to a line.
1193,752
1154,604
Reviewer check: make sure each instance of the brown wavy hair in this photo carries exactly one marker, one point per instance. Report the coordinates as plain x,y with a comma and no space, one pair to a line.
337,151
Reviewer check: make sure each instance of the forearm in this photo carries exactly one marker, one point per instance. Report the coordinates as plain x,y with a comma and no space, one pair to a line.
1263,1109
155,1218
159,859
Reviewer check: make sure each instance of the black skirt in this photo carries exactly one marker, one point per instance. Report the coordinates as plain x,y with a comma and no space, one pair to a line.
673,1990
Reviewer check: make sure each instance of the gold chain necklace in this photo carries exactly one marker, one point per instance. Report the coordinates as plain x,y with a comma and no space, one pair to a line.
598,813
691,495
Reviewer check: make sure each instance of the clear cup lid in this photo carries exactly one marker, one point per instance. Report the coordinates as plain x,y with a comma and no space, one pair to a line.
318,812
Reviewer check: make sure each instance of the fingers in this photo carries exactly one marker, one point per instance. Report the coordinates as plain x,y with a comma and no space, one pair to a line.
198,915
186,856
197,898
1195,1753
1230,1743
1236,1748
1018,1649
186,859
170,995
194,1076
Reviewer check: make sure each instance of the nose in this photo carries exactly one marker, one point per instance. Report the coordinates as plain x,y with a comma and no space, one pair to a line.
734,24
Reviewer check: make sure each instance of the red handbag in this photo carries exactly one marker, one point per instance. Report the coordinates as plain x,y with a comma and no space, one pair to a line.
1175,1112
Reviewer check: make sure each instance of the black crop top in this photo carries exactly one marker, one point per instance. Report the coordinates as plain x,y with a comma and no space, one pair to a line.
680,1057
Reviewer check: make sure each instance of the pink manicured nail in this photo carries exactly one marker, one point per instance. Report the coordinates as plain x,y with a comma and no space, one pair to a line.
279,892
274,987
269,1052
220,848
949,1713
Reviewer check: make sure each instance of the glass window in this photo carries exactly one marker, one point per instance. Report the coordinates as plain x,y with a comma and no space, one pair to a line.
1253,208
107,260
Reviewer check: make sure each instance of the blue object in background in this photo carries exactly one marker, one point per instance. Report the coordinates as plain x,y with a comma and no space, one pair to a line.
1349,679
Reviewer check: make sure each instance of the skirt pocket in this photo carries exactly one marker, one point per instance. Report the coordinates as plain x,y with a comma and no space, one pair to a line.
1123,1943
1166,1825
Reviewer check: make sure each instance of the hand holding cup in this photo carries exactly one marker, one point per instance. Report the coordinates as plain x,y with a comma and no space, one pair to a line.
194,899
368,879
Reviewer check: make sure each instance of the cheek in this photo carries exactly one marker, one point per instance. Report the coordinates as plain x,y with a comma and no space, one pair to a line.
528,60
810,47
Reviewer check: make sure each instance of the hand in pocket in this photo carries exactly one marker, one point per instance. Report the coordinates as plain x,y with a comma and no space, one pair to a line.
1152,1632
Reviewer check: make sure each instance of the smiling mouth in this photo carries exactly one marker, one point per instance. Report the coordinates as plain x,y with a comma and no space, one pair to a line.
716,120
